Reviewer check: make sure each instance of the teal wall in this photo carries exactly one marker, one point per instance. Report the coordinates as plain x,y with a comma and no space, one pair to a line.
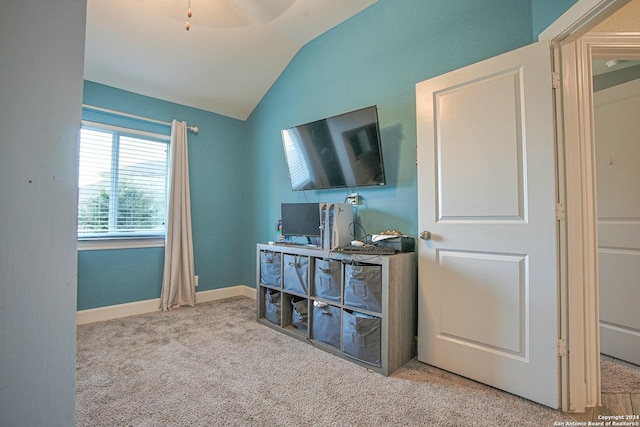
544,12
376,57
238,171
116,276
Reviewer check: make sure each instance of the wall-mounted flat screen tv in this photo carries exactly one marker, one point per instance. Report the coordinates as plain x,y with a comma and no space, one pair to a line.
339,151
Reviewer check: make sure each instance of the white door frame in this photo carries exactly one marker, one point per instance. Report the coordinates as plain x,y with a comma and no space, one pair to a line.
578,256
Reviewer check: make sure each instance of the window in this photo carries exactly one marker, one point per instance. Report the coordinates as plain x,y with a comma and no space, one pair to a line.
122,183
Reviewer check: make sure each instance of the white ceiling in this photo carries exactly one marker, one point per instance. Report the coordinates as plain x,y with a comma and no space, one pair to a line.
230,57
602,66
627,19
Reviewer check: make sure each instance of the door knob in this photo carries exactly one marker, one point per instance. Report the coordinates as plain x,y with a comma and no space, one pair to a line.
425,235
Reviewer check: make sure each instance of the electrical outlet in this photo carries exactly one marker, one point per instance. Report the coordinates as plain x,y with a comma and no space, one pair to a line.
353,199
195,280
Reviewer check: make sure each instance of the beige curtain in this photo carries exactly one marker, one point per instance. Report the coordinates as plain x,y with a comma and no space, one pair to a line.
178,287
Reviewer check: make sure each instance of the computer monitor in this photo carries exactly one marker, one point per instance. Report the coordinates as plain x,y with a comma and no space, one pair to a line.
301,220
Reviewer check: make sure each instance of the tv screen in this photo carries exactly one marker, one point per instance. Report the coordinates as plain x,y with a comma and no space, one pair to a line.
339,151
300,219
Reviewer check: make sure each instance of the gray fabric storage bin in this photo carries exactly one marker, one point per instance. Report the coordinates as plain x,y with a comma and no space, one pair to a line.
272,306
325,323
296,272
361,336
270,268
299,314
363,286
326,279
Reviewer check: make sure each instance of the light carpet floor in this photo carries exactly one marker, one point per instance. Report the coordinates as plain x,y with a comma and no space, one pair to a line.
214,365
617,376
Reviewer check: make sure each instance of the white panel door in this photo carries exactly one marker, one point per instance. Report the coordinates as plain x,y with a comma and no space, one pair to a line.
486,188
617,126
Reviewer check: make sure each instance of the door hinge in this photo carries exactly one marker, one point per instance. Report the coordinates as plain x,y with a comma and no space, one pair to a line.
562,347
561,213
555,80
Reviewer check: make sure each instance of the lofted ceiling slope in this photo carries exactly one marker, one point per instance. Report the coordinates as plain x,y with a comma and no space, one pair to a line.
227,61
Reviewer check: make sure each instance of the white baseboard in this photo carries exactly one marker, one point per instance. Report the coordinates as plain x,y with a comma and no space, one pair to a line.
140,307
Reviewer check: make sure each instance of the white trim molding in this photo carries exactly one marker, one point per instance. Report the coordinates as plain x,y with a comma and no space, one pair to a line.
581,268
579,19
148,306
128,243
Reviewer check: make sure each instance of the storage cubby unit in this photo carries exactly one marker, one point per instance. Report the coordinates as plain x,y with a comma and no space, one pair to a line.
358,307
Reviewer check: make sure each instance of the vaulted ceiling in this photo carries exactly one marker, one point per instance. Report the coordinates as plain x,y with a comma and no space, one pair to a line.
225,63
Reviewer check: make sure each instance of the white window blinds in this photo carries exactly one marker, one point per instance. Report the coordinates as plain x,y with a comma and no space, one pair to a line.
122,183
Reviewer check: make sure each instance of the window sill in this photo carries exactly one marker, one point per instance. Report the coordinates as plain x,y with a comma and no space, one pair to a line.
127,243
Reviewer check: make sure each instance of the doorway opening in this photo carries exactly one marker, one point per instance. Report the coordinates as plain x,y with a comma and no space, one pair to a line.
615,74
